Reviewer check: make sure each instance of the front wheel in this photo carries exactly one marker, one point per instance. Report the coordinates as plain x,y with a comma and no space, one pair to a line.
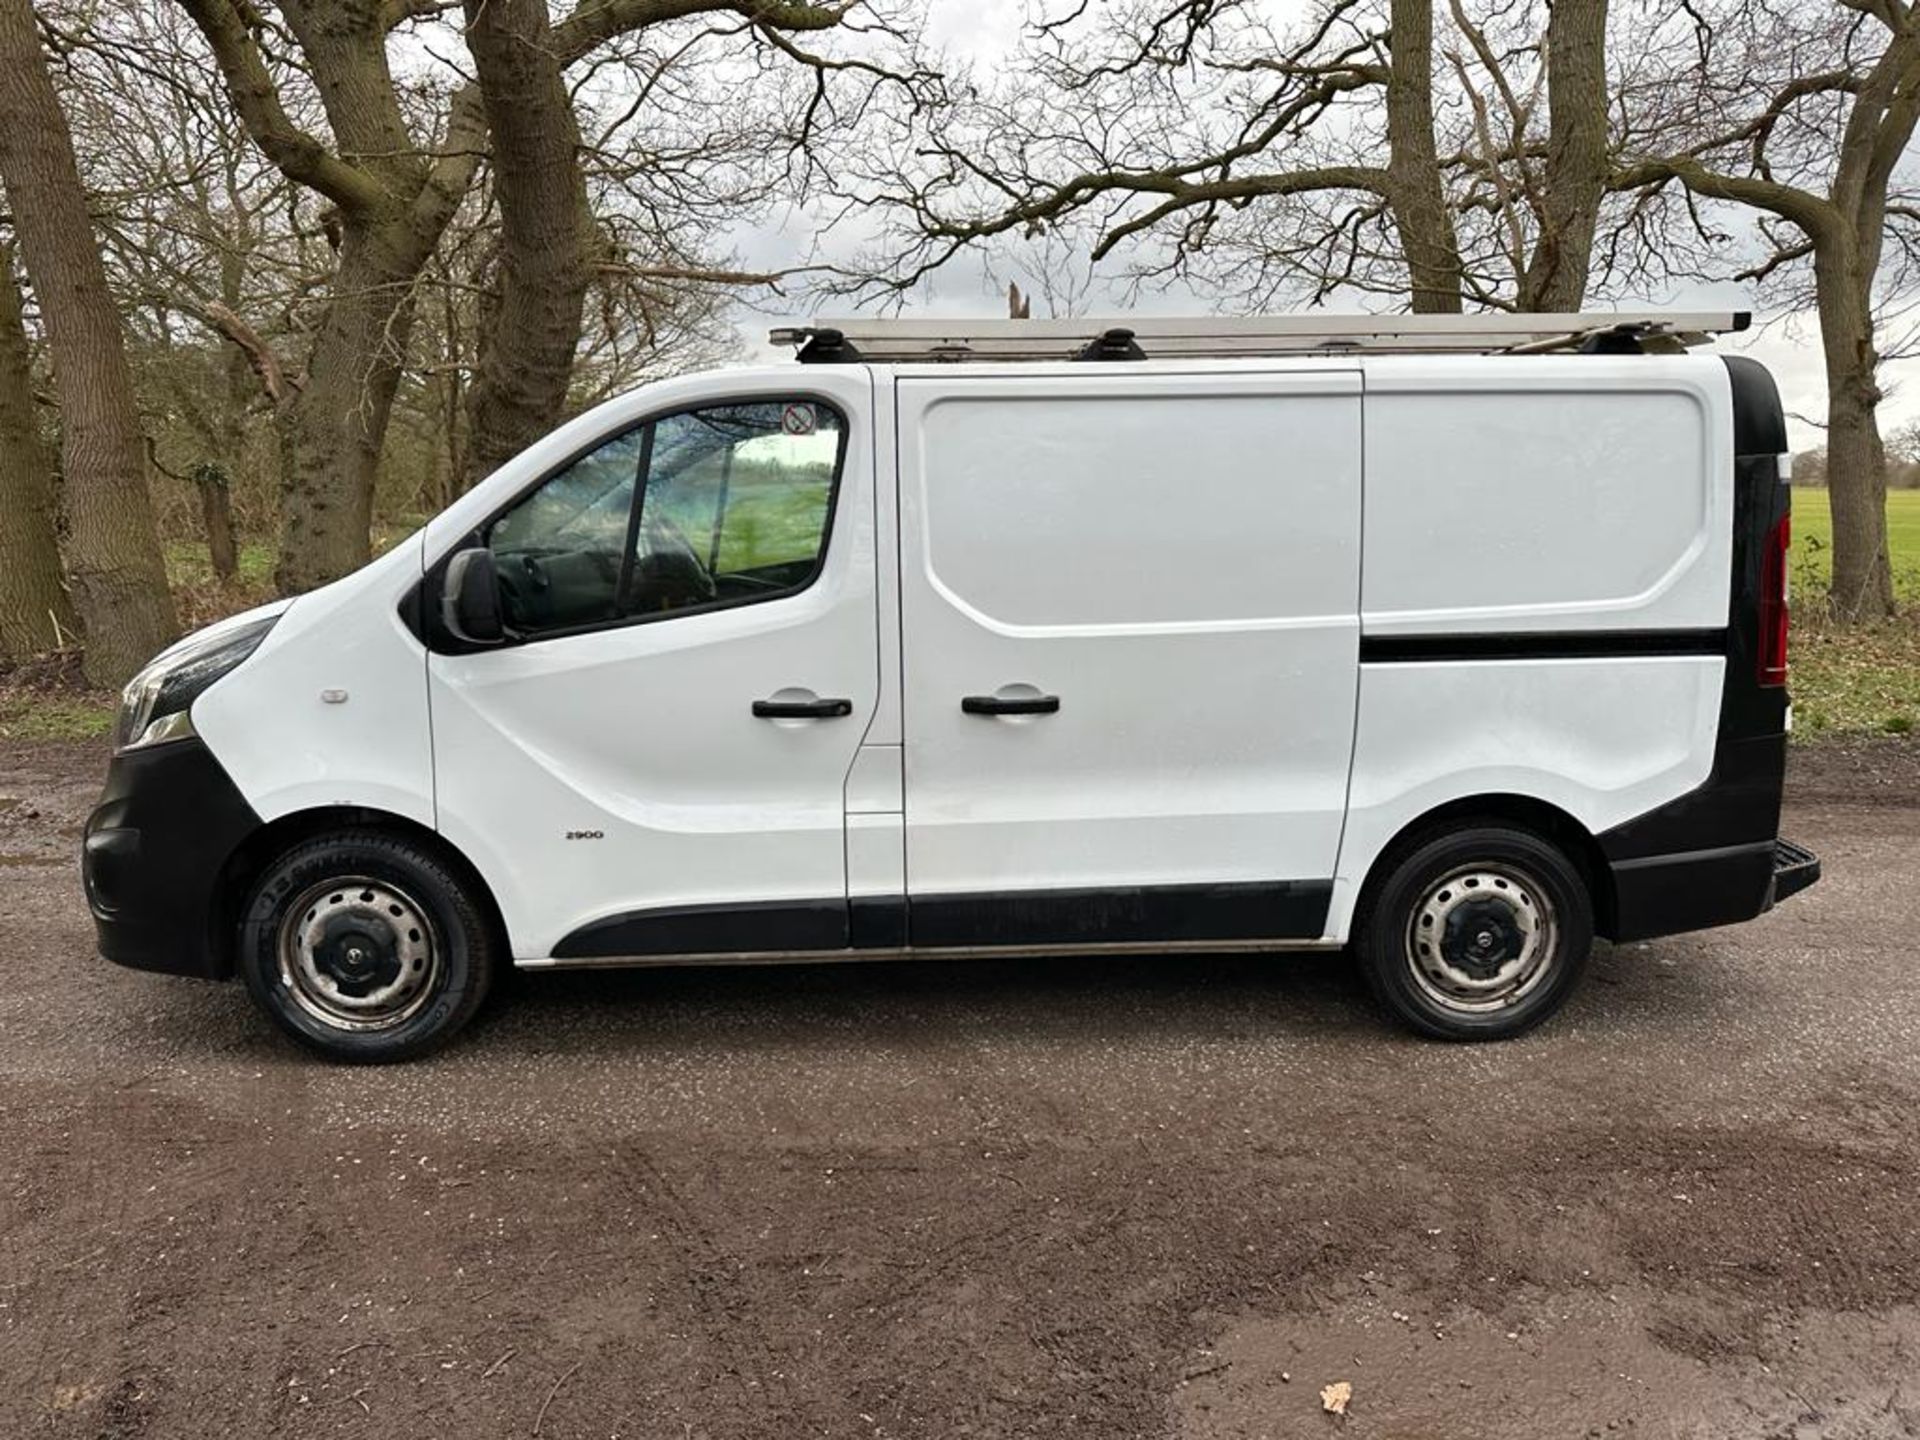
366,947
1477,934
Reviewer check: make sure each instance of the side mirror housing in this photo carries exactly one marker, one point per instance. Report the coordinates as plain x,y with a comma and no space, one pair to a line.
470,599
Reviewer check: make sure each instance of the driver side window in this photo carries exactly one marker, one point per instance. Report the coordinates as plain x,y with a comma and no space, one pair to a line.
722,505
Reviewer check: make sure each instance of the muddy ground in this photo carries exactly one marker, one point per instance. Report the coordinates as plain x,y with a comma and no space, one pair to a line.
1073,1199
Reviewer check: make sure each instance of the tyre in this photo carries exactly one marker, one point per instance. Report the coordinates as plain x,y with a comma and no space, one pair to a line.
367,947
1476,934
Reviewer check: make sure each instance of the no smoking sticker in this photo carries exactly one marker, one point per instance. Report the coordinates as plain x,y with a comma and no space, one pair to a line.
798,420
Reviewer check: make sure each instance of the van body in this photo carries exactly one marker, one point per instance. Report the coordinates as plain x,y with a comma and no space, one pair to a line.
1455,659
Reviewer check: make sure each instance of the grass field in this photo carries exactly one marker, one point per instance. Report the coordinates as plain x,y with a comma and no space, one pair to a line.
1813,542
1865,679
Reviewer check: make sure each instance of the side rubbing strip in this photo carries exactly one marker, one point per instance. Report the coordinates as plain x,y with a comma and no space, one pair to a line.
1169,914
1545,645
712,930
1127,915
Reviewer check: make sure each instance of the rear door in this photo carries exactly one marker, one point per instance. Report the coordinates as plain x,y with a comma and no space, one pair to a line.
1130,609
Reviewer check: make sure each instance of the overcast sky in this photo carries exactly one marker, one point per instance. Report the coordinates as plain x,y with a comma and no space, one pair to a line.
985,31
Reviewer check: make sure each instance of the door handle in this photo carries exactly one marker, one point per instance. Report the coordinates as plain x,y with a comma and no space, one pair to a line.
1010,705
802,709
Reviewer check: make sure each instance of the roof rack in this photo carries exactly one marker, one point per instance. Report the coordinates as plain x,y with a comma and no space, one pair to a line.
1224,337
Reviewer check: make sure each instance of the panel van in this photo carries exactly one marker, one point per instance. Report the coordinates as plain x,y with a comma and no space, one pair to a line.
1454,642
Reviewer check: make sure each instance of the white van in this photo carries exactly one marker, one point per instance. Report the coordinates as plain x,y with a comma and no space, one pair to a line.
1455,642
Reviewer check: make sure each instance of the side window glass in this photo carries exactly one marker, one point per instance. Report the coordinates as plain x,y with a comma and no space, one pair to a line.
733,505
558,550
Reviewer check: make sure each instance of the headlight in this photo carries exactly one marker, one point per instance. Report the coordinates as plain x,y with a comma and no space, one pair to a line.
157,702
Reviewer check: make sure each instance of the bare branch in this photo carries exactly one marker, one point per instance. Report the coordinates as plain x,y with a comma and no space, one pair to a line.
298,154
598,21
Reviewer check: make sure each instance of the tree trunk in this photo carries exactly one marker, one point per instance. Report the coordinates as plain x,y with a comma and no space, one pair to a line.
527,349
216,516
1862,587
1577,160
35,614
445,407
1415,193
119,582
332,430
451,399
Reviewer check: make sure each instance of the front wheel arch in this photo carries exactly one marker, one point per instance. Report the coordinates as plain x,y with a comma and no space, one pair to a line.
277,836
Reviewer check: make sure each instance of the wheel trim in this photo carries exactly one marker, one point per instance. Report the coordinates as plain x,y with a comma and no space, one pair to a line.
358,954
1455,965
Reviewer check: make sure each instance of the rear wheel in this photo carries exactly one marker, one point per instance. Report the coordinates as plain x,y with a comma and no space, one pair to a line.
1476,934
367,947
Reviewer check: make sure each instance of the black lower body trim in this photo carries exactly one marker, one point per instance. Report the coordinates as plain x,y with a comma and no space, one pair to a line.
1150,914
154,857
780,925
1693,890
1738,804
877,922
1263,910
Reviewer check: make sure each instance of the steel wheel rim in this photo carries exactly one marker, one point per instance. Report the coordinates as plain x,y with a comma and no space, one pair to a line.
359,954
1447,947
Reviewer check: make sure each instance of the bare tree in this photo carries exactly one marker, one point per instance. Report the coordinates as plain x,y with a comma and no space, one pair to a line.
118,580
1106,130
708,123
35,614
1305,163
209,249
392,192
1803,112
393,188
1538,184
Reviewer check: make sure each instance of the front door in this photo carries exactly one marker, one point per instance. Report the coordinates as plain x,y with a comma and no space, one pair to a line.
1130,644
655,763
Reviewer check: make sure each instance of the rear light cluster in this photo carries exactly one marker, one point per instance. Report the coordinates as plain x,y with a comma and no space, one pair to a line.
1772,660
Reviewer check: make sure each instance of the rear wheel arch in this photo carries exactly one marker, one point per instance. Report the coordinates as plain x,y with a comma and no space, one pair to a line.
1480,929
1525,812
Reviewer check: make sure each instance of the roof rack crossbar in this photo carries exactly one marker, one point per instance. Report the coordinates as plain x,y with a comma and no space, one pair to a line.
1225,337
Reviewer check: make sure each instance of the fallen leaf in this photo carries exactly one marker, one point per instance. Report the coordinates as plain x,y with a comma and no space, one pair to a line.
1334,1397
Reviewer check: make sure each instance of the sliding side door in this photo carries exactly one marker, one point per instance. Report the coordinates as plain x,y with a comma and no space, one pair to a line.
1129,649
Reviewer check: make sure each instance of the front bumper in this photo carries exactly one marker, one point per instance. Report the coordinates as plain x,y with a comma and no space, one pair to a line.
156,854
1668,894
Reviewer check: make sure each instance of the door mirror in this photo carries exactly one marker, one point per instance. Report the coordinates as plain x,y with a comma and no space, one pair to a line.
470,599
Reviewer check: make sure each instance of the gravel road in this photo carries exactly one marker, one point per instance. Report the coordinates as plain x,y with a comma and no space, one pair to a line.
1164,1197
